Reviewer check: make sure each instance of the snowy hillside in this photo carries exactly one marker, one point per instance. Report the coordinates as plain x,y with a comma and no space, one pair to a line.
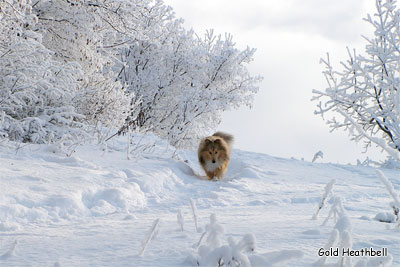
96,208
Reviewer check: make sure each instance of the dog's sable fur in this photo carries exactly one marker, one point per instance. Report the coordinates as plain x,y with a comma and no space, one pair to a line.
214,154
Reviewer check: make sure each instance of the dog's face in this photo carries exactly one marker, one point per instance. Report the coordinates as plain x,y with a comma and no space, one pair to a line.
214,151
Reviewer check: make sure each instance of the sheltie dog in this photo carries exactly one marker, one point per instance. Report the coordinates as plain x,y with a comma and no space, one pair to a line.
214,154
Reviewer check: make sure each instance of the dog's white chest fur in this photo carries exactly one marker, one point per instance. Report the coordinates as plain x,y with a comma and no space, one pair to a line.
210,167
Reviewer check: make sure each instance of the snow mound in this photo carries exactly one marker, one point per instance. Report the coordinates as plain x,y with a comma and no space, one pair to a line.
111,200
386,217
70,206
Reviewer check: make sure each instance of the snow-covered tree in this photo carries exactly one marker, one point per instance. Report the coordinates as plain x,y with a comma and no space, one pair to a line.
365,94
183,82
36,92
218,81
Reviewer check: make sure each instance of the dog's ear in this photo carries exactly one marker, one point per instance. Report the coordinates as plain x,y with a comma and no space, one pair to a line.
218,141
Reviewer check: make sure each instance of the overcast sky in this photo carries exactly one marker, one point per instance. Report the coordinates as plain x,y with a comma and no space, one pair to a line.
290,37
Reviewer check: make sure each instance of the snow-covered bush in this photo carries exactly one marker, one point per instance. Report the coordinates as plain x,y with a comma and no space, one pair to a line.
364,95
36,93
115,64
88,33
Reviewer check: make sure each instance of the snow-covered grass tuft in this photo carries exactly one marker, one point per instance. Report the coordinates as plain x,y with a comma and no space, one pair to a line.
180,219
318,155
10,252
213,233
396,204
336,210
333,239
151,234
328,189
194,212
343,226
346,242
340,236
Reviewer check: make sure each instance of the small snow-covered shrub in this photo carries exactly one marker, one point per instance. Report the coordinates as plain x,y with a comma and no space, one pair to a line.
214,253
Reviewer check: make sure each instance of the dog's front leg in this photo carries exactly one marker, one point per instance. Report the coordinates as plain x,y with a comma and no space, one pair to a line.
210,175
219,173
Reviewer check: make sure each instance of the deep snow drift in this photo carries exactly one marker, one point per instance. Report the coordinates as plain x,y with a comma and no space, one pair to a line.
96,208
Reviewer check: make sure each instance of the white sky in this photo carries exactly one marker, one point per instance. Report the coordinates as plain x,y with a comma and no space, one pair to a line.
290,36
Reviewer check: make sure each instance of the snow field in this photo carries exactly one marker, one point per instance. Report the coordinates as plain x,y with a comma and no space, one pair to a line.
96,208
